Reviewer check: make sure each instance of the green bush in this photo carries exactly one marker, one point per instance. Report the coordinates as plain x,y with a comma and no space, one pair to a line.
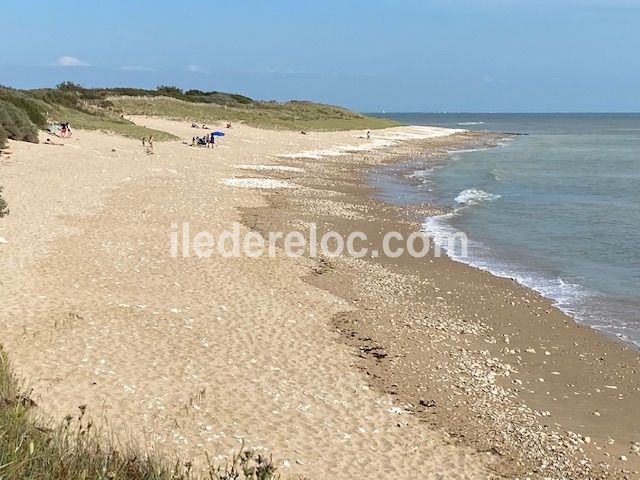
30,107
16,123
241,98
170,91
79,90
3,138
130,92
57,97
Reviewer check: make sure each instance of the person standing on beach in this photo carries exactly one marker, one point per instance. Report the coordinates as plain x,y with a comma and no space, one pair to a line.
150,150
368,134
144,141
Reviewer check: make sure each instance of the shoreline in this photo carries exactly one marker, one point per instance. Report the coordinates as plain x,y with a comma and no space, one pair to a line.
566,349
405,172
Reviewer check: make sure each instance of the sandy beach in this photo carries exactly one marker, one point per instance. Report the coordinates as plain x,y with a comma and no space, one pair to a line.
337,368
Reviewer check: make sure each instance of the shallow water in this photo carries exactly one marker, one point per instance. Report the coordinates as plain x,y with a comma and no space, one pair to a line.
557,209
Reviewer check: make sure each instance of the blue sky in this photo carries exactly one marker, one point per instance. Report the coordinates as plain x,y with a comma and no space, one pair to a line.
393,55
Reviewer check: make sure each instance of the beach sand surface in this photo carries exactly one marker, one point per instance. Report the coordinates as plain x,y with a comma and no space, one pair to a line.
190,355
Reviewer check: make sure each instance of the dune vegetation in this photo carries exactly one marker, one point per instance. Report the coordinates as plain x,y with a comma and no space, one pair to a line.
293,115
4,209
32,448
23,112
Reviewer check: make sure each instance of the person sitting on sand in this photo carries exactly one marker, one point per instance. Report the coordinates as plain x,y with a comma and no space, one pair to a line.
228,124
193,125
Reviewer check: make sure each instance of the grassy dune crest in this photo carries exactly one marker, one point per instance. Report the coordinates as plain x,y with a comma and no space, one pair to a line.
294,115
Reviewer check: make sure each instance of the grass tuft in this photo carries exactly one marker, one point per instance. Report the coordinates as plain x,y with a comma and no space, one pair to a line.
4,209
31,450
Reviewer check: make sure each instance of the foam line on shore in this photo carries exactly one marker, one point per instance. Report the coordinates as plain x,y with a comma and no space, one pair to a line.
377,142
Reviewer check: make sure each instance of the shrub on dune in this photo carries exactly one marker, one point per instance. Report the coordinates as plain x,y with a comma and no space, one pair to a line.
16,123
29,106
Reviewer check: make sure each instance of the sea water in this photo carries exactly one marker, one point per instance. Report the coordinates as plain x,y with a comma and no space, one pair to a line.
557,209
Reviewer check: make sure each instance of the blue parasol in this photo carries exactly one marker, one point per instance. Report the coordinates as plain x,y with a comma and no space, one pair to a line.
218,134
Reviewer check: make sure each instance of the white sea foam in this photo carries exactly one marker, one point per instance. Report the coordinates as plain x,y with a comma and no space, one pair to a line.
563,293
573,299
262,183
468,150
421,175
470,123
378,140
473,196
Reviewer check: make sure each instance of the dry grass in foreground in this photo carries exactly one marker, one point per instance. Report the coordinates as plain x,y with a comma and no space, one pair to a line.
30,449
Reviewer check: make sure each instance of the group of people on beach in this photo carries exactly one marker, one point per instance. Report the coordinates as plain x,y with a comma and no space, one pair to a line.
207,141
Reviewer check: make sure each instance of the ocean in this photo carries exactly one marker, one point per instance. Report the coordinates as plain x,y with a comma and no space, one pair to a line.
557,208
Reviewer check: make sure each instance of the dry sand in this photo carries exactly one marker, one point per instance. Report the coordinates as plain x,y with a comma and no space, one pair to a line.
190,354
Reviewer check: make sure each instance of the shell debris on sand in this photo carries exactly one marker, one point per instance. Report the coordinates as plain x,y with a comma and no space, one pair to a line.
265,183
273,168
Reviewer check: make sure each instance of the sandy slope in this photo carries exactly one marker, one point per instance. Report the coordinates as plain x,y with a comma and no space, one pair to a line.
189,354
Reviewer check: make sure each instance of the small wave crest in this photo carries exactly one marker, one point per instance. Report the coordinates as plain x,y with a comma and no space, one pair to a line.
473,196
471,123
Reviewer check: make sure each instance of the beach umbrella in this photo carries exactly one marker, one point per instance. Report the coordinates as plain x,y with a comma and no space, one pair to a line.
218,134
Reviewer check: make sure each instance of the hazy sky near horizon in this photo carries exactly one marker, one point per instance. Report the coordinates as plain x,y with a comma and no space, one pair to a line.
393,55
